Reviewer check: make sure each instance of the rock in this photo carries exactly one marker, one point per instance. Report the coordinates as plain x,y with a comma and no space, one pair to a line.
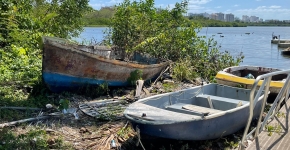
161,90
167,81
150,89
48,106
146,92
83,130
52,140
198,81
158,85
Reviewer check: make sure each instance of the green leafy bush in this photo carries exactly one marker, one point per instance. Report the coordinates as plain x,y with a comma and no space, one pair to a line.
134,76
166,33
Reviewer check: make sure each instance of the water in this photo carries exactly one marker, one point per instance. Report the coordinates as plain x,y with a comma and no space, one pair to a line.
256,46
92,35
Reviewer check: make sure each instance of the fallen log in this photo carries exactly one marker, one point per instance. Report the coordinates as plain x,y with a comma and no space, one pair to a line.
22,121
20,108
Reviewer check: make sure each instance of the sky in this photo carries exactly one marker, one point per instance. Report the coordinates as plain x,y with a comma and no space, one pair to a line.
265,9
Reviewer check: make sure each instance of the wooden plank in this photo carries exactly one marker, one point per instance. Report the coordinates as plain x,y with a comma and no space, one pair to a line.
279,139
200,109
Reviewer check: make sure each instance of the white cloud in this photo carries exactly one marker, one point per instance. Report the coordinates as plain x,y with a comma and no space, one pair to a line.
236,5
218,7
270,7
261,7
264,12
164,6
198,2
274,6
194,7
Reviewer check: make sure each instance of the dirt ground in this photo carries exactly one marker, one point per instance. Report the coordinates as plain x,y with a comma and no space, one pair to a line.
114,131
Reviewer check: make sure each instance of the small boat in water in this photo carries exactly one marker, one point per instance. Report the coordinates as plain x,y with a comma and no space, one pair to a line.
244,76
199,113
286,51
68,66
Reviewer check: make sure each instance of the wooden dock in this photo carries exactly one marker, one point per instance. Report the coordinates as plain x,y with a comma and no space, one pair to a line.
276,41
278,139
284,45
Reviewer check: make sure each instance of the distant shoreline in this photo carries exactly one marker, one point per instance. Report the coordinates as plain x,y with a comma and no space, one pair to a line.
203,27
96,26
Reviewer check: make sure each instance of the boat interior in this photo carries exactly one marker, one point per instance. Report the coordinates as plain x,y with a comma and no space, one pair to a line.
199,101
257,72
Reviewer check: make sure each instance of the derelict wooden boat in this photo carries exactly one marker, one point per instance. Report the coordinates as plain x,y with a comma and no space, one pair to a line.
238,76
68,66
199,113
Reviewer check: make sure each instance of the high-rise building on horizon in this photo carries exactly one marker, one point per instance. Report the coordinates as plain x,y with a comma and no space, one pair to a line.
254,19
206,15
230,17
214,16
245,18
220,16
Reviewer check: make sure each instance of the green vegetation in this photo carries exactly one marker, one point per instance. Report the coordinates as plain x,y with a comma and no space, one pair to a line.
100,17
134,76
276,128
206,22
22,24
270,23
103,17
135,27
33,139
167,34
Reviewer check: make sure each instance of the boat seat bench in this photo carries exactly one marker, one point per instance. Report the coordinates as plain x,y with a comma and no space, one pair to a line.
192,109
222,103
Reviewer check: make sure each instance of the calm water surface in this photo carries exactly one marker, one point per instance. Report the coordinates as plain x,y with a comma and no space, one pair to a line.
256,46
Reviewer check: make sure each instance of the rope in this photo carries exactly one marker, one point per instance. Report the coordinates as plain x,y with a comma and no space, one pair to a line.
139,138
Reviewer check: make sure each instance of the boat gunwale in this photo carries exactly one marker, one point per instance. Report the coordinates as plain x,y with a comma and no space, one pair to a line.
195,118
221,75
236,68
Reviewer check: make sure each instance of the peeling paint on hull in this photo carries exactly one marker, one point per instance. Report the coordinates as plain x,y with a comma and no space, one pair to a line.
65,67
58,82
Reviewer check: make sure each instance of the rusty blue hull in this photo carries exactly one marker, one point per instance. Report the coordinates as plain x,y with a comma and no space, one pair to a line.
67,66
152,115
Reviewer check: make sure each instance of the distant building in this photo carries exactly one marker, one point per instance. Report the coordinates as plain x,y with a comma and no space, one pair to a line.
205,15
230,18
245,18
220,16
254,19
214,16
